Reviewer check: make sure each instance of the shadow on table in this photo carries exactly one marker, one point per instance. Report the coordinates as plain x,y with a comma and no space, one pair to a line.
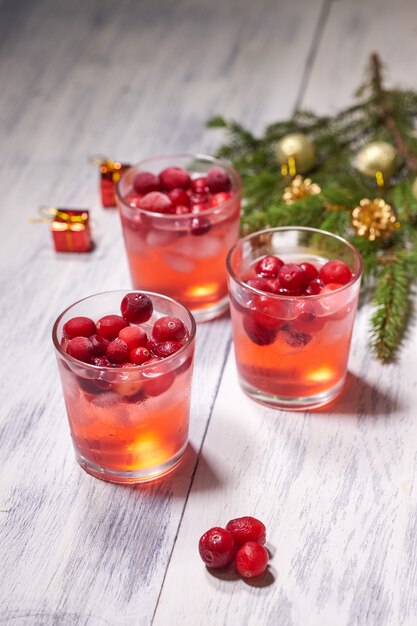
360,399
230,575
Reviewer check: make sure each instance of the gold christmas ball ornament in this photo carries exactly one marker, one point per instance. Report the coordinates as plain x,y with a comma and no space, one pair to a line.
374,219
299,188
377,156
414,188
298,147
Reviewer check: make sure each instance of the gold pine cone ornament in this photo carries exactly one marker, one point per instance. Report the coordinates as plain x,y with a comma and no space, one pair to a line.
299,188
374,219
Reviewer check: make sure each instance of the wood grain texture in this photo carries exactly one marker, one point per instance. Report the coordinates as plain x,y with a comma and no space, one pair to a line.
336,488
129,79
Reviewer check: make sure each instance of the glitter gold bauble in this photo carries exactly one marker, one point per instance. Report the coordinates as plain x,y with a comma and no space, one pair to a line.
377,156
300,188
374,219
299,147
414,188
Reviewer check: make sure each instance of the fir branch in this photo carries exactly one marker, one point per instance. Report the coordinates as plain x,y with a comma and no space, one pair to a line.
389,319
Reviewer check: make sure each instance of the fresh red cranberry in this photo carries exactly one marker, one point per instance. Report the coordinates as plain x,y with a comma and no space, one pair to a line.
268,312
335,272
110,326
136,308
307,320
258,333
282,291
274,286
133,336
199,198
245,529
181,209
199,208
173,177
331,287
251,559
156,202
133,199
79,327
158,383
145,182
310,272
168,328
139,355
100,361
218,180
217,548
80,348
179,197
99,344
313,288
268,266
291,276
151,345
200,226
117,352
219,198
166,348
260,283
199,185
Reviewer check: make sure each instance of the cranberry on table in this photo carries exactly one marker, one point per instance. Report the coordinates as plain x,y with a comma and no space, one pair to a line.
99,344
291,276
168,328
156,202
145,182
200,226
80,348
109,326
245,529
217,548
133,336
335,272
268,266
79,327
173,177
218,180
136,308
179,197
117,352
139,355
251,559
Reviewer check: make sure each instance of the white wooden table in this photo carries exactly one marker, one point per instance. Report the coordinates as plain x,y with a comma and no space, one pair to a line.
337,488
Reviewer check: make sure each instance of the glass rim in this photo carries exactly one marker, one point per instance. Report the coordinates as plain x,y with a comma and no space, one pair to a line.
140,368
202,157
278,229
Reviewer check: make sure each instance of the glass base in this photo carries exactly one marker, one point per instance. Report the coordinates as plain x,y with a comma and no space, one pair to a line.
211,311
296,403
131,477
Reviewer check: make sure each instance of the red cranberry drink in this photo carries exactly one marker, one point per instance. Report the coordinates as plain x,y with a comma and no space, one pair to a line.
180,217
125,361
294,294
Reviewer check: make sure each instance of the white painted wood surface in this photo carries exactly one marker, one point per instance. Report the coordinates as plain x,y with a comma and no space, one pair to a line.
336,488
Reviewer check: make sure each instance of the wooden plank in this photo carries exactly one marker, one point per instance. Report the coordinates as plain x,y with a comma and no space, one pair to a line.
336,488
130,80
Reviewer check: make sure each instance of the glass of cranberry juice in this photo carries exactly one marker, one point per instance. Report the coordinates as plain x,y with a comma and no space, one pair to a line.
128,424
181,252
291,348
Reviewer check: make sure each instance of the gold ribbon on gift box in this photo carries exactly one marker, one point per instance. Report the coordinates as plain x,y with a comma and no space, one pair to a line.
62,221
107,166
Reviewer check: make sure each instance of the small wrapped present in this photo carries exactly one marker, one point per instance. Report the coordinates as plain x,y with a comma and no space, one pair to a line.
110,174
70,230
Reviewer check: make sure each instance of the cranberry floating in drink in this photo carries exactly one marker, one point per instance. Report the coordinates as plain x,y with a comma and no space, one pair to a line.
294,295
125,361
180,217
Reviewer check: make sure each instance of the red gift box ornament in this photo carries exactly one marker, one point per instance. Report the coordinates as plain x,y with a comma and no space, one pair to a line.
70,228
110,174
